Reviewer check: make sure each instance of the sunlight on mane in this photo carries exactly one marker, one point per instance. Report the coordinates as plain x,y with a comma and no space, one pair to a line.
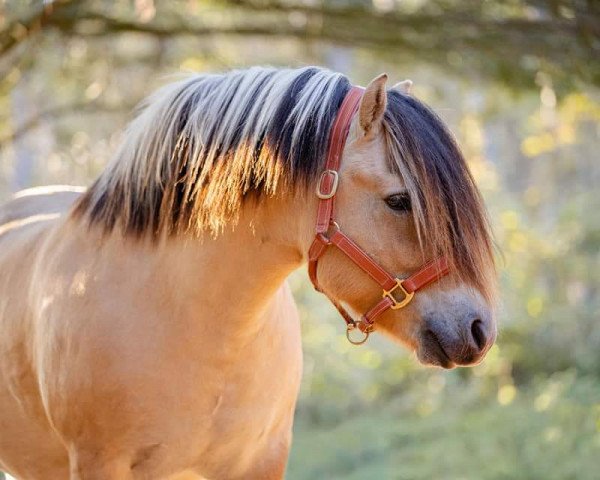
199,146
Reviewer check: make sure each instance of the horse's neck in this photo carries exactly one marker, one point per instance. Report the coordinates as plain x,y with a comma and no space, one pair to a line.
230,279
247,264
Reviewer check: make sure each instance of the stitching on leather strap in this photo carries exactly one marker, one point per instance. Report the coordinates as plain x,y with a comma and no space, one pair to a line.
429,273
364,261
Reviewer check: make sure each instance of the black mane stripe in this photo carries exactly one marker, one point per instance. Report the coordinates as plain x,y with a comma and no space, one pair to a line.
190,130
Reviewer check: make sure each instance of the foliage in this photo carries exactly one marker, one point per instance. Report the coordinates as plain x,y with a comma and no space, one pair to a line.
506,40
549,430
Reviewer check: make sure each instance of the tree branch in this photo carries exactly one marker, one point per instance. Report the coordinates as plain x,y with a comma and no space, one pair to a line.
570,44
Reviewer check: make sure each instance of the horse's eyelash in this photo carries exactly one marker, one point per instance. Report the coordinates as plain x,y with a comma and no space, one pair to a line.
399,202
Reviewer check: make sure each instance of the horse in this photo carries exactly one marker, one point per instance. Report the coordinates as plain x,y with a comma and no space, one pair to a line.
148,331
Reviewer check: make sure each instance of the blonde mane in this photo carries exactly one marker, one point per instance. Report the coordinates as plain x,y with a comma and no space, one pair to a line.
199,146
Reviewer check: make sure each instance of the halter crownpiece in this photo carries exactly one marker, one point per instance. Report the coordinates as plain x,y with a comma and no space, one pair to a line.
328,233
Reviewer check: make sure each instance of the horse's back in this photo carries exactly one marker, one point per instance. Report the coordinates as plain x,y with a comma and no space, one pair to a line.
24,221
26,437
38,201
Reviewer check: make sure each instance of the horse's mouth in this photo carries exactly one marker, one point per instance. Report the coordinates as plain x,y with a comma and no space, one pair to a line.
431,352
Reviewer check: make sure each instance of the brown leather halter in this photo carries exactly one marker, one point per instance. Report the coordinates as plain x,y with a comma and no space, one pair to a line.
329,233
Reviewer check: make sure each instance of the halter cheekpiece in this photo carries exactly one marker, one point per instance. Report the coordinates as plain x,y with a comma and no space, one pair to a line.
397,293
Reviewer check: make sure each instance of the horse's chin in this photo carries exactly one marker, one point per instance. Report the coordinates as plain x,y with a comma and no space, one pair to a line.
425,356
430,360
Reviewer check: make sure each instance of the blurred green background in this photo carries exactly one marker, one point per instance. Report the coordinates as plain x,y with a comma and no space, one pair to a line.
518,83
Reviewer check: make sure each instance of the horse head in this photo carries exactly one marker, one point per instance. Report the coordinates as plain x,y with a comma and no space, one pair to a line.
404,196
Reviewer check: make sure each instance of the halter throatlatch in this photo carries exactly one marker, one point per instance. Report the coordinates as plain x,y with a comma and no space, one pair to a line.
397,293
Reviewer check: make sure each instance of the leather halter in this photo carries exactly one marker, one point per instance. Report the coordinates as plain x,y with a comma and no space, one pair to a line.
328,233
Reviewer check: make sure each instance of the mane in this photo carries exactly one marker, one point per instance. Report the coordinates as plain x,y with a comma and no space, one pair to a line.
201,146
449,212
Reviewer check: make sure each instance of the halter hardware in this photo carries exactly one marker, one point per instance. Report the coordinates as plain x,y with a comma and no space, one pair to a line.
328,233
334,184
351,327
396,305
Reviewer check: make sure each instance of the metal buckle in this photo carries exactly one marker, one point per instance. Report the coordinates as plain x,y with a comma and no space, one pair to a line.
402,303
334,186
360,341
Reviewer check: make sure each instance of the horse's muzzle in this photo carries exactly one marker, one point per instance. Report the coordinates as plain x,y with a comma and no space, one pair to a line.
449,344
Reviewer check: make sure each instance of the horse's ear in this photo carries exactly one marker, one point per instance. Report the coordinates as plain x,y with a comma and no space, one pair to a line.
404,86
372,106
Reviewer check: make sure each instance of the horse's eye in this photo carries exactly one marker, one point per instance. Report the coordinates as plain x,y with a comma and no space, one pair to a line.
399,202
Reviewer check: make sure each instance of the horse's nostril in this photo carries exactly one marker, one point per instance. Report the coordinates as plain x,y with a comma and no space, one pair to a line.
478,334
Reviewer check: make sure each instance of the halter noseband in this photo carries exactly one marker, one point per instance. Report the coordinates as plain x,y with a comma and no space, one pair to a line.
329,233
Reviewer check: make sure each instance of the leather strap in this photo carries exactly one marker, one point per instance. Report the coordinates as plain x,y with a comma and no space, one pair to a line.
328,233
429,273
362,260
328,182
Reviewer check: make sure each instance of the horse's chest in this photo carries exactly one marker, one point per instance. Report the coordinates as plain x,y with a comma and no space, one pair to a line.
255,408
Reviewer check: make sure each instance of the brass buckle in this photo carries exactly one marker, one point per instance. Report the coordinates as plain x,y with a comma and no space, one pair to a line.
359,341
395,303
332,192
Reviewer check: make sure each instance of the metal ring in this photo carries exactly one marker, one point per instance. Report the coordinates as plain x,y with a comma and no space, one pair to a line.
356,342
326,236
